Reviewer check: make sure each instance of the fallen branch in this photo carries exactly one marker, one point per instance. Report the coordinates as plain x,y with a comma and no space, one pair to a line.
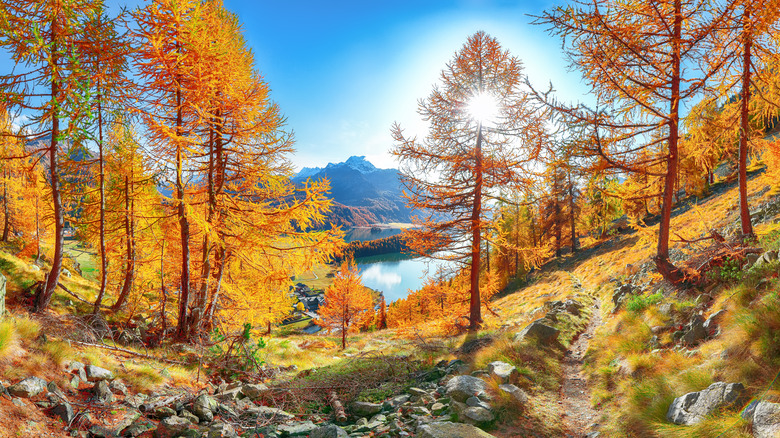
126,351
338,408
74,295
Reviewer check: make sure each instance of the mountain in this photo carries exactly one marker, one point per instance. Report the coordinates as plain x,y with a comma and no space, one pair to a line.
363,194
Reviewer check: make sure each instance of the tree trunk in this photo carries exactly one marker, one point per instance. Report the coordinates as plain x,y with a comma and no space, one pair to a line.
475,317
665,267
209,318
744,209
102,219
182,329
127,283
45,293
571,214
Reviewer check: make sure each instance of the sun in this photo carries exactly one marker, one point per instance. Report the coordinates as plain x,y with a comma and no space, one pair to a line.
483,107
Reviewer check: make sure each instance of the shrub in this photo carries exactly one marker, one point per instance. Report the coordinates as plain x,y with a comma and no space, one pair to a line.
7,336
638,303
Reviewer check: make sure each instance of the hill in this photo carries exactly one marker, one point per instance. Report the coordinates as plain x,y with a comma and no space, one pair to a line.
363,193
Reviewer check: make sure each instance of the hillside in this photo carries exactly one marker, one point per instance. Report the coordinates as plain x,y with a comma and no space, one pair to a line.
593,343
362,193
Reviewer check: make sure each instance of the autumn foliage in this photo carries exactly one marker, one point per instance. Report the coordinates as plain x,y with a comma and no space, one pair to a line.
347,303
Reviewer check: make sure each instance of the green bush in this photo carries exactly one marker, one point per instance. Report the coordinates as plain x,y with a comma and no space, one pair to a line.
638,303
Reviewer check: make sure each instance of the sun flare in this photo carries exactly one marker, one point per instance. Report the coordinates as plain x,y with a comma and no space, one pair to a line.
483,107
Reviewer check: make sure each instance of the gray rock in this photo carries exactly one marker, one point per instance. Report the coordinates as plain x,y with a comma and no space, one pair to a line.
101,394
229,394
417,391
767,257
766,420
204,407
477,415
137,428
445,429
694,332
539,331
265,413
517,394
505,372
254,390
161,412
396,401
222,430
189,416
476,402
64,411
711,324
438,409
18,402
56,391
117,387
172,427
691,408
96,373
129,418
101,432
296,429
29,387
365,409
462,387
135,401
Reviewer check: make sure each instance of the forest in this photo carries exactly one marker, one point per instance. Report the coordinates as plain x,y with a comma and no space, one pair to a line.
154,140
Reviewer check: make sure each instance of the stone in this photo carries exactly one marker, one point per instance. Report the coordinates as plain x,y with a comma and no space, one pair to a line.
540,331
18,402
417,391
693,407
694,332
397,401
135,401
137,428
438,409
189,416
130,416
3,281
161,412
101,394
29,387
476,402
222,430
462,387
64,411
266,414
516,393
503,371
117,387
302,428
767,257
226,411
229,394
254,390
711,324
96,373
204,407
365,409
445,429
171,427
101,432
477,415
56,391
766,420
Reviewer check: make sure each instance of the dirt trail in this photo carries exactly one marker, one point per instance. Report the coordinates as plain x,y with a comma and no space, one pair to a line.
578,416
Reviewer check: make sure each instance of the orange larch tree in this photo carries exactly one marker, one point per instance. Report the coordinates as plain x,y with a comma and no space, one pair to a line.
347,302
468,154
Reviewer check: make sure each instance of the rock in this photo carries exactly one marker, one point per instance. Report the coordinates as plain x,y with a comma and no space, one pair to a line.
222,430
161,412
96,373
694,332
265,413
137,428
171,427
101,394
64,411
620,295
462,387
254,390
56,391
29,387
226,411
711,324
18,402
329,431
767,257
516,393
445,429
296,429
691,408
438,409
135,401
766,420
101,432
396,401
417,391
505,372
365,409
750,260
3,281
189,416
573,307
204,407
539,331
477,415
130,417
117,387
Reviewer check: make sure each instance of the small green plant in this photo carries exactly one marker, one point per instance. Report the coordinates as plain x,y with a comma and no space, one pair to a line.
729,272
638,303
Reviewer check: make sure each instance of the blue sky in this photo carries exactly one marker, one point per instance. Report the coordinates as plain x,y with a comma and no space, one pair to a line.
344,71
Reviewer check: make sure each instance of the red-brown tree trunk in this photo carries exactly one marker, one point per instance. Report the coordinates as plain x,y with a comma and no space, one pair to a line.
744,209
475,307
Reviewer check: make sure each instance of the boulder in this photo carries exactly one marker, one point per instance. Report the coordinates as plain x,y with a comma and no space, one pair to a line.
365,409
766,420
101,432
101,394
767,257
691,408
445,429
265,413
64,411
516,393
477,415
77,368
137,428
117,387
29,387
694,332
222,430
711,324
302,428
96,373
329,431
254,390
460,388
189,416
171,427
204,407
539,331
503,371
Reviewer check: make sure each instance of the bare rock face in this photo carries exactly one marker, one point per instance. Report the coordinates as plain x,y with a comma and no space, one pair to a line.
691,408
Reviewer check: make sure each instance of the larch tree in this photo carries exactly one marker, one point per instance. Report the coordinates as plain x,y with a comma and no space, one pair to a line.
347,302
49,84
483,130
641,59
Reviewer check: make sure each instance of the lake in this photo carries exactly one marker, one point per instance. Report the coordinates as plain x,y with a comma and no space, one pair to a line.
394,274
